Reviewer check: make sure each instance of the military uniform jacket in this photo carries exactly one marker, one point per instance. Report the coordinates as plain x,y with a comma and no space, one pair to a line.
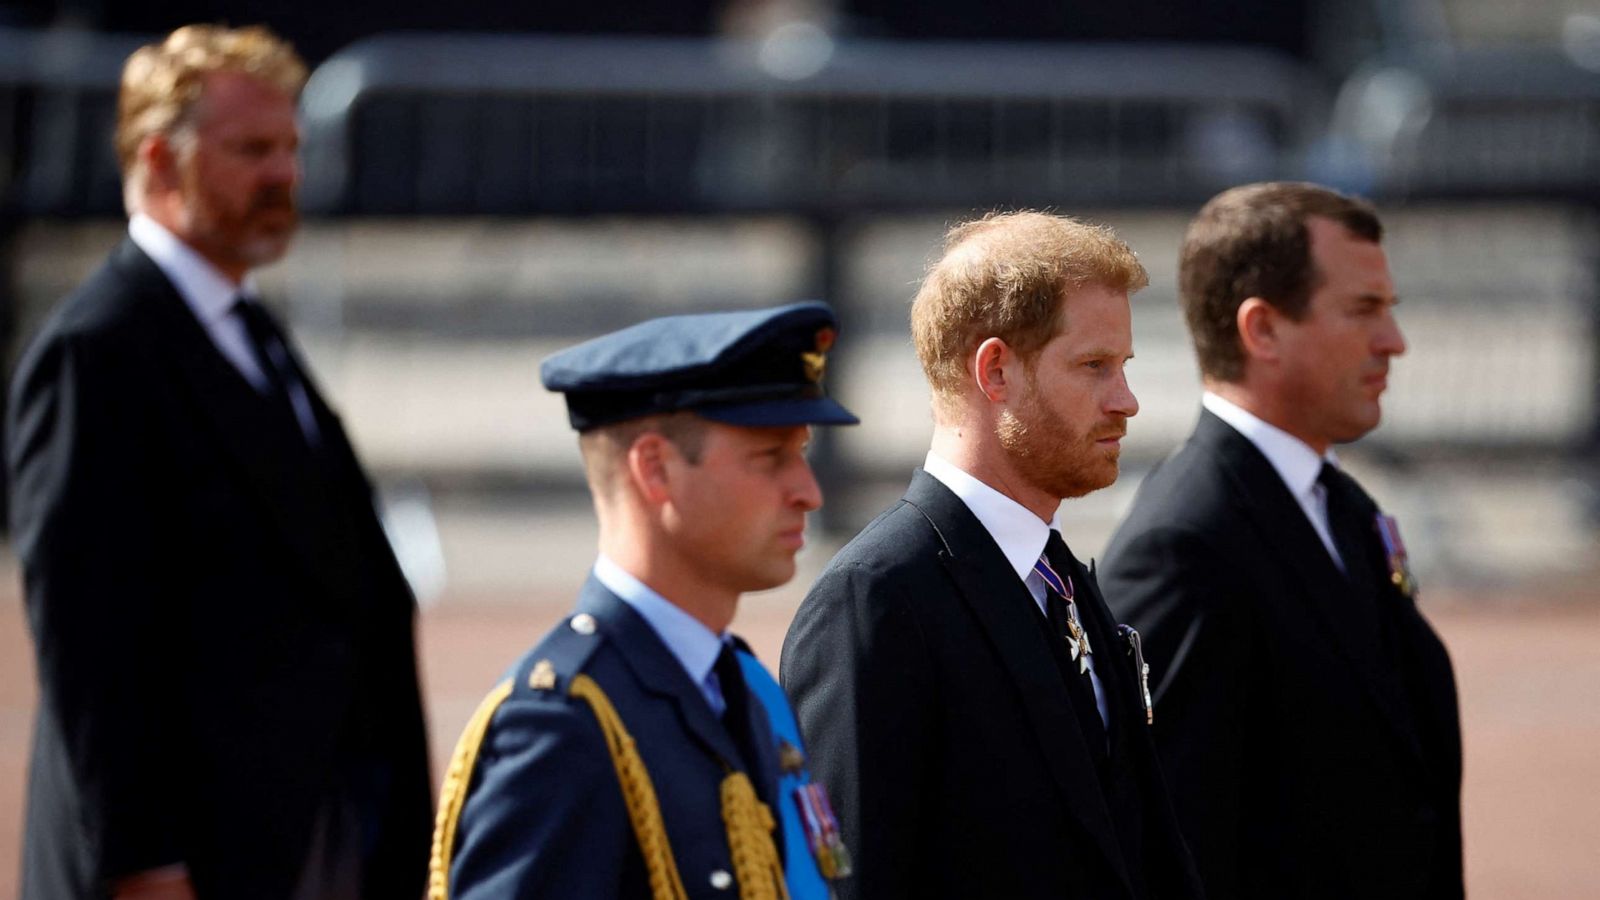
1311,753
544,816
937,714
224,637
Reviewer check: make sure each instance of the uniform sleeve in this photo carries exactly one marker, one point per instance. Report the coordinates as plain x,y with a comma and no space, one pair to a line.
85,490
857,669
1175,589
544,816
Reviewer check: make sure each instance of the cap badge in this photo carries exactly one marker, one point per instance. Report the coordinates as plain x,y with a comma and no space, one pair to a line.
817,363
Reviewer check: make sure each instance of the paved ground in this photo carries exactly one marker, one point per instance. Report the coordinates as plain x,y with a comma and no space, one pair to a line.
1530,684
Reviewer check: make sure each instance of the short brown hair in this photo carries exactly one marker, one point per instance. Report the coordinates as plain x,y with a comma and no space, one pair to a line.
604,445
1252,241
1005,275
162,82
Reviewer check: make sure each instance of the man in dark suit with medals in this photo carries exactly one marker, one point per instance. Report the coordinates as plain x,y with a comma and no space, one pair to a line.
228,691
968,697
1305,712
639,750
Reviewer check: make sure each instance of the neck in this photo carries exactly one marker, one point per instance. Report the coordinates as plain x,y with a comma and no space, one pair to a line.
668,574
979,454
1263,405
170,214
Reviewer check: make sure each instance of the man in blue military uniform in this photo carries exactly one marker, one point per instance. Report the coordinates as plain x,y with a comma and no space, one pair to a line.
640,750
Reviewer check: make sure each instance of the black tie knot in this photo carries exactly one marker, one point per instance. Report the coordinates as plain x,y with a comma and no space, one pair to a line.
1340,492
257,321
271,351
266,339
1328,476
1056,552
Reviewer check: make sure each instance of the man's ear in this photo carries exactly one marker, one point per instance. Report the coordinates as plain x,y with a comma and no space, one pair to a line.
993,368
159,155
1258,322
648,469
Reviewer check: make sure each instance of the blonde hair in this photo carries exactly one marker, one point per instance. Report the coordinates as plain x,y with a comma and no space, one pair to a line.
162,82
1006,275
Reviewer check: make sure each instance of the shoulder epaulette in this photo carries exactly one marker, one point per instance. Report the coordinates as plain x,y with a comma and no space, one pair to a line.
563,654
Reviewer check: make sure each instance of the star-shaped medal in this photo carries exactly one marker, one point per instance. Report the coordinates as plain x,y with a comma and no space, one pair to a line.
1078,640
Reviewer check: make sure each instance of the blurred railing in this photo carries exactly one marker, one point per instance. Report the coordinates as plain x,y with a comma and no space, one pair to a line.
1481,122
472,124
57,111
461,124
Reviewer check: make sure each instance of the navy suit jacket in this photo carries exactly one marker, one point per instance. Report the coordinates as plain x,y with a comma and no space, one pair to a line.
1312,753
544,815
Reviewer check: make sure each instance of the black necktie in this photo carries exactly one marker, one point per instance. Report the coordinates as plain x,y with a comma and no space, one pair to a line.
1353,537
736,705
271,351
1344,522
1079,687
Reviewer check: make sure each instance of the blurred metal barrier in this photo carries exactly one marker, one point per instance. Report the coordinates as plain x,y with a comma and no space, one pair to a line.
1474,122
58,93
452,124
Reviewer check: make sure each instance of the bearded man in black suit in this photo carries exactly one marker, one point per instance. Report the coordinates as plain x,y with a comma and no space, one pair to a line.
964,691
1305,712
228,689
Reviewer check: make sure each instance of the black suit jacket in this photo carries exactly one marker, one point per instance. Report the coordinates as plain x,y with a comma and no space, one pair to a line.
937,716
1312,752
224,638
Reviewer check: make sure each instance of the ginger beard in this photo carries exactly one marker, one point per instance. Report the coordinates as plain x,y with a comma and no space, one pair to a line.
255,231
1050,453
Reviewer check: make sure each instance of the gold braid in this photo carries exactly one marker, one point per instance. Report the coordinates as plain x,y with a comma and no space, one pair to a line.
644,810
453,794
750,823
755,857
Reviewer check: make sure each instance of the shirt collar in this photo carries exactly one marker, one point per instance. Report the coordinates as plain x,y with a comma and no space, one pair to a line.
208,292
1020,534
695,646
1296,463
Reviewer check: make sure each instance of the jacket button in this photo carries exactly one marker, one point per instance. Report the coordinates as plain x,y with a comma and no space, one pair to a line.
721,880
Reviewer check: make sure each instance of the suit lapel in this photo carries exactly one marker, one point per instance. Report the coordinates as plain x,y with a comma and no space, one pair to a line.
230,405
657,670
1281,523
1000,602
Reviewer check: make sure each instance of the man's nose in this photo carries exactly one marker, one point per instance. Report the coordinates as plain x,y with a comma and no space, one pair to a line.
805,492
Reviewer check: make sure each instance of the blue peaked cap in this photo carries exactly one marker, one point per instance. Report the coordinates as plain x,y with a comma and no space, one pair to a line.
761,367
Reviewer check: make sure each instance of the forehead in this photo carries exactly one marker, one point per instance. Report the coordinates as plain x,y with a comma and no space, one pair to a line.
1346,262
1094,317
236,99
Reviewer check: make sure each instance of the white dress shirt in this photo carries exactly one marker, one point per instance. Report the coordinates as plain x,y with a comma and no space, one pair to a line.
1020,534
695,646
210,296
1293,459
